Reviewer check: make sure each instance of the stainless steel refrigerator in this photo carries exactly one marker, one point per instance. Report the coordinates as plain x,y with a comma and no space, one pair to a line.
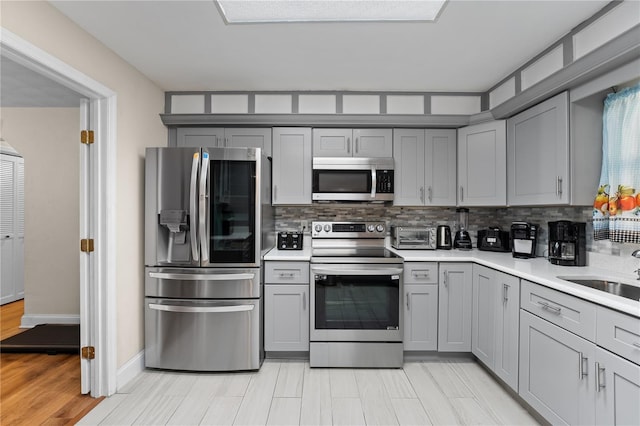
208,223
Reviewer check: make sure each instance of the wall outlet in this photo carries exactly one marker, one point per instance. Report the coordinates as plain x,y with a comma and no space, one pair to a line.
304,224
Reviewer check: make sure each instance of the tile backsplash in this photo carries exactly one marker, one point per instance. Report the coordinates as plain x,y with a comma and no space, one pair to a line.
292,217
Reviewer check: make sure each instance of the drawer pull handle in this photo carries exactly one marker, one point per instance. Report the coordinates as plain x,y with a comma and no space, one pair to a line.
286,274
548,307
423,275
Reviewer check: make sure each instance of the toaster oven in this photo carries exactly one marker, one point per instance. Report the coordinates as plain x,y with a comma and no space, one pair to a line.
415,237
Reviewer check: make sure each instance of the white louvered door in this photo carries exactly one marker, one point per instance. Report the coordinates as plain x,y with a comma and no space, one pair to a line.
11,228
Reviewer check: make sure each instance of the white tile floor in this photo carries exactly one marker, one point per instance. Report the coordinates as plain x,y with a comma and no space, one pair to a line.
441,392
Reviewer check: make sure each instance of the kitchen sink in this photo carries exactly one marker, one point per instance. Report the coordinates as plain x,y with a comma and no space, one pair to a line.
613,287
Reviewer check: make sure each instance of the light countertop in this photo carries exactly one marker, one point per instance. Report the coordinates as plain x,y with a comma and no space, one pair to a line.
538,270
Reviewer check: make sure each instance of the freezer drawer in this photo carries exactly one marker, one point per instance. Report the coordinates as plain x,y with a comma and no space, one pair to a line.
203,335
202,283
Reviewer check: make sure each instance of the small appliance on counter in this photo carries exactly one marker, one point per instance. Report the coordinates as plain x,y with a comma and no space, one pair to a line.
443,237
289,240
462,240
413,237
494,239
524,238
568,243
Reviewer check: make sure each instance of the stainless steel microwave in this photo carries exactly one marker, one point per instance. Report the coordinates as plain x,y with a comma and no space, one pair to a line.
352,179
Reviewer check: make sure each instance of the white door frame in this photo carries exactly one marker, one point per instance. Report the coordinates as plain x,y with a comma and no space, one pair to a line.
97,209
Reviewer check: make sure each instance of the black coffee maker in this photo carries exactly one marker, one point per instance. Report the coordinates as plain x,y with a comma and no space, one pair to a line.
568,243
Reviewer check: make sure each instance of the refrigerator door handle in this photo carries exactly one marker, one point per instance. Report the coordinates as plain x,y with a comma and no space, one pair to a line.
202,217
201,277
198,309
193,207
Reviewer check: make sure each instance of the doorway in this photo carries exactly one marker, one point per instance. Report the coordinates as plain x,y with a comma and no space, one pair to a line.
96,216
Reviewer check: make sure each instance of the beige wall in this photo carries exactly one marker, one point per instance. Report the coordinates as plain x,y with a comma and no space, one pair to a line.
139,101
47,140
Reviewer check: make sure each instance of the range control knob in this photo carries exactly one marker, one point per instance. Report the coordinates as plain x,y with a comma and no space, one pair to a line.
318,228
327,228
371,228
380,228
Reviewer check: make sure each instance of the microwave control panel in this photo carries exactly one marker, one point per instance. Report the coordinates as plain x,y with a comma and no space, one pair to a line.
384,180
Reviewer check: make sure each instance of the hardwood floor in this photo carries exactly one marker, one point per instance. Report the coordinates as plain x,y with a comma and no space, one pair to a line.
38,389
452,392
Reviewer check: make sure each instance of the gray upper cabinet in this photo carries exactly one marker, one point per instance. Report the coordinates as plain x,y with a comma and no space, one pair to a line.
352,143
538,154
291,173
209,137
425,167
482,164
220,137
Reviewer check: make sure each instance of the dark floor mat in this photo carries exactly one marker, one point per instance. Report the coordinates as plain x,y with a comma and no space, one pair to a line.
44,338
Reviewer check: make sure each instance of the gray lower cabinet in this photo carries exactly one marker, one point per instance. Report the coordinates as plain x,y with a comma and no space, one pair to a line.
454,307
496,311
555,375
617,389
291,173
220,137
579,363
286,317
507,329
420,306
286,306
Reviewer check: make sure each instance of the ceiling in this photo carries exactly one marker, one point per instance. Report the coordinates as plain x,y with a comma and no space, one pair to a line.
22,87
185,45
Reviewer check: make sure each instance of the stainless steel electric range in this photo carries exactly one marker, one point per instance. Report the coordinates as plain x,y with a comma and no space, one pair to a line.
356,302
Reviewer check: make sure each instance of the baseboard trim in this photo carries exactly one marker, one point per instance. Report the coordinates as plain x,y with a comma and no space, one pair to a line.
30,321
130,370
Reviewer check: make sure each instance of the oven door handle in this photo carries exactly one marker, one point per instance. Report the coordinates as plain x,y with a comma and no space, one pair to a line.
200,309
356,271
201,277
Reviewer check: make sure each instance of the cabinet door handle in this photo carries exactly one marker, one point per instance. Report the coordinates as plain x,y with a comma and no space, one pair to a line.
548,307
275,192
461,193
446,278
505,293
581,370
348,145
430,194
304,301
559,186
599,383
422,194
408,307
357,147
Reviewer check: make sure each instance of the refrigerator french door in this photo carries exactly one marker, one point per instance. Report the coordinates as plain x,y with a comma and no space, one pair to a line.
208,220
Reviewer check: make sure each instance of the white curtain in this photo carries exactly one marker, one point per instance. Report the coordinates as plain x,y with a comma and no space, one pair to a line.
616,209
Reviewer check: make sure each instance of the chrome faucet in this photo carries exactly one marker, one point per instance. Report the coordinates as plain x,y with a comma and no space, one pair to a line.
636,254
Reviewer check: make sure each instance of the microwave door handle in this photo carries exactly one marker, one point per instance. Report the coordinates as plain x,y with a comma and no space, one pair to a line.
193,206
202,219
374,183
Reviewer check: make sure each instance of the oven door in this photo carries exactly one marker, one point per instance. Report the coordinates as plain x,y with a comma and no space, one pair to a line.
356,303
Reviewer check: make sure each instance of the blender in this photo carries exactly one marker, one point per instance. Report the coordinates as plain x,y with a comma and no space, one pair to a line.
462,240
